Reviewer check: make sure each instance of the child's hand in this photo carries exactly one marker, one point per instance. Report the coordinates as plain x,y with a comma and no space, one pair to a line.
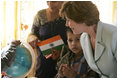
68,71
60,72
16,42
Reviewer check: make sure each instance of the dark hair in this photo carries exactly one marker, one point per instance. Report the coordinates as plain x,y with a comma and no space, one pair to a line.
68,29
80,11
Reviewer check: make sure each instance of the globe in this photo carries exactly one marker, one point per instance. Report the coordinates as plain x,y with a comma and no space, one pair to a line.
23,62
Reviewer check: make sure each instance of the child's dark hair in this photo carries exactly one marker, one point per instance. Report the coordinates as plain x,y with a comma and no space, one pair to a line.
68,29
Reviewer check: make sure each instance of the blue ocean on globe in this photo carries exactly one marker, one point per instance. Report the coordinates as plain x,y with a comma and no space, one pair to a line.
21,64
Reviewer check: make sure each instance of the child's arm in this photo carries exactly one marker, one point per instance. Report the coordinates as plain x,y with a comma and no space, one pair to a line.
67,71
8,55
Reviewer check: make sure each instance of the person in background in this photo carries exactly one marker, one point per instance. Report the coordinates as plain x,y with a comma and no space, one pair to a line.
47,23
72,63
98,39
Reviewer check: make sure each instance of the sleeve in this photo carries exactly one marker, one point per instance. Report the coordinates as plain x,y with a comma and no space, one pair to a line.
36,24
114,45
115,52
7,56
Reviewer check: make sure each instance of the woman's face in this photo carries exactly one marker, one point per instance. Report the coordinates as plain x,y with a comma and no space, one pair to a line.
74,42
54,5
77,28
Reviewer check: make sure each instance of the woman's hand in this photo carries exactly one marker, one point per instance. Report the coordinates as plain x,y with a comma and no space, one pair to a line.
32,40
67,71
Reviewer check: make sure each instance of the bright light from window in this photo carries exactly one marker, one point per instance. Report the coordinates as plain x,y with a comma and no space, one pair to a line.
105,9
1,22
25,15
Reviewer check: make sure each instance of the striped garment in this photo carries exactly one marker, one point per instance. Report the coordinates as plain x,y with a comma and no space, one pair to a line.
80,65
47,45
82,68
